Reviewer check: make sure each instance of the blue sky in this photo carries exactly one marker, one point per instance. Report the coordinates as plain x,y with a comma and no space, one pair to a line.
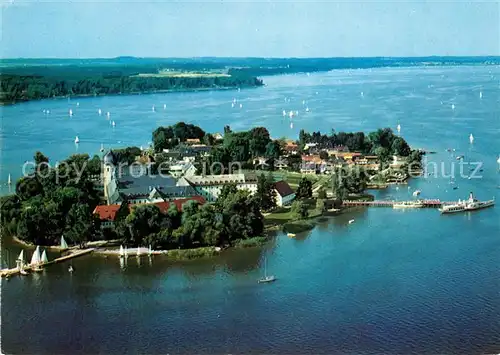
234,28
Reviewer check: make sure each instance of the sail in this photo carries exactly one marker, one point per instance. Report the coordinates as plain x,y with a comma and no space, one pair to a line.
44,257
63,243
35,259
21,256
122,252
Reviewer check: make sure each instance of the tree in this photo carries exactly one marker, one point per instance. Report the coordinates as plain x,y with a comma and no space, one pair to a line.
400,147
40,158
305,189
266,194
322,193
80,225
320,205
273,150
323,155
338,185
258,140
143,221
299,210
383,155
28,187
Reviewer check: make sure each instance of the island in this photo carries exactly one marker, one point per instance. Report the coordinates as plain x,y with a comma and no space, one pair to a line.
193,193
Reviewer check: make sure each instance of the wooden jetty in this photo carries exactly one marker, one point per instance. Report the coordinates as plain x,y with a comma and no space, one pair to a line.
390,203
73,254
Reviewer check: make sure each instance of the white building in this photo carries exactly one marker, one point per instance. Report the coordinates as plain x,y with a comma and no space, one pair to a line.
182,169
210,186
284,193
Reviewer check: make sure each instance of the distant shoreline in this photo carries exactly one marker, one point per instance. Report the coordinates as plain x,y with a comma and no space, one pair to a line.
11,103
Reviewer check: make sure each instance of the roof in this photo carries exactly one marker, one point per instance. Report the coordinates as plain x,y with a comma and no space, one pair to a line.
283,188
108,212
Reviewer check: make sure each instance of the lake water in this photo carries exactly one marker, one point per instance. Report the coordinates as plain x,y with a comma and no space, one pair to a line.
392,282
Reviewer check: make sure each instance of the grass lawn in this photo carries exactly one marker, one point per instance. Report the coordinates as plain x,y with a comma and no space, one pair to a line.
293,178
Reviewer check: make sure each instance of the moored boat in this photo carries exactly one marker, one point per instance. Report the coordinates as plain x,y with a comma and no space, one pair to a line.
471,204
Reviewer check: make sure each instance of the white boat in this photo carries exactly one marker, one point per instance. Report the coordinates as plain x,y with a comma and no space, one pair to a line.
70,269
63,245
307,109
70,112
399,128
77,140
416,193
23,272
291,235
452,106
362,94
241,105
232,104
102,148
77,104
108,114
408,204
291,124
303,102
153,108
351,221
113,123
498,160
267,278
21,256
480,94
164,106
471,138
99,112
20,261
36,259
467,205
44,257
150,251
9,180
122,251
290,114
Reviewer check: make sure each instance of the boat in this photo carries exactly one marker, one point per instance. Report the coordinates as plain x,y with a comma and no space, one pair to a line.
63,245
290,114
99,112
351,221
102,148
241,105
362,94
45,260
164,106
122,251
77,140
138,251
20,261
284,113
291,124
232,104
471,138
23,272
408,204
77,104
70,112
416,193
9,180
291,235
470,204
70,269
452,106
150,251
398,128
113,123
108,114
480,94
36,260
153,108
307,109
267,278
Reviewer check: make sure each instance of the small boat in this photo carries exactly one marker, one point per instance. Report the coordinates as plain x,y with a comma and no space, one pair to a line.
284,113
362,94
290,114
113,123
122,251
455,187
150,251
307,109
63,245
291,124
77,140
70,112
153,108
480,94
232,104
291,235
45,260
77,104
471,204
108,114
351,221
99,112
70,269
452,106
36,260
398,128
471,138
266,278
9,180
416,193
23,272
241,105
164,106
102,148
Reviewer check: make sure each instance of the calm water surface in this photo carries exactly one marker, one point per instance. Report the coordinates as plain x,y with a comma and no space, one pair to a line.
392,282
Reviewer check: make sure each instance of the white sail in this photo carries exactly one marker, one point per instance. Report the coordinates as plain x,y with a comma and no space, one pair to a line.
99,112
35,259
122,251
44,257
77,140
150,251
71,112
64,245
9,180
113,123
480,94
108,114
471,138
399,128
164,106
21,256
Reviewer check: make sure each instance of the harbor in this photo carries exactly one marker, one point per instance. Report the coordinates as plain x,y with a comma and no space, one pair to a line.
435,203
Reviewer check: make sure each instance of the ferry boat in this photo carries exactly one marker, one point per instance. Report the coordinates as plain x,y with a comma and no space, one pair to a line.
468,205
408,204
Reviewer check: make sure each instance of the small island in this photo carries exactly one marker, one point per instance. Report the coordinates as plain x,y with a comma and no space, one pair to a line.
194,193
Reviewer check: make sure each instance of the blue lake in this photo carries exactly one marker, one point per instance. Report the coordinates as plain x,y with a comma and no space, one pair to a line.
391,282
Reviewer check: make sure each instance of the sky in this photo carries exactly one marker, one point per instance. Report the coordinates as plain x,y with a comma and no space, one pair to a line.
89,28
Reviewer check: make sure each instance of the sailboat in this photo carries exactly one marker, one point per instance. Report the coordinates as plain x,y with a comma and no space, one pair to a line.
36,259
108,114
122,251
20,263
102,148
113,123
153,108
45,260
241,105
471,138
307,109
398,128
150,251
452,106
9,180
284,113
480,94
164,106
267,278
70,112
64,245
77,140
99,112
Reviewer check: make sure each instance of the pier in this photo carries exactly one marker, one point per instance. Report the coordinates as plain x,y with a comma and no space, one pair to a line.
72,254
390,203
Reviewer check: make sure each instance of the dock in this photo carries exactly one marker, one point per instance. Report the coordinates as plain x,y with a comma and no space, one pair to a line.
390,203
72,254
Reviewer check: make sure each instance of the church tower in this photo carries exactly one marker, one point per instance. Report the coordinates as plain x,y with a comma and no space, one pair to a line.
109,178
